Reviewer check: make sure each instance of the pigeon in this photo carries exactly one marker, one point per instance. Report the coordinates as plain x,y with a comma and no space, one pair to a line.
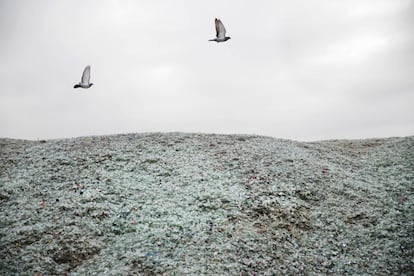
220,32
84,83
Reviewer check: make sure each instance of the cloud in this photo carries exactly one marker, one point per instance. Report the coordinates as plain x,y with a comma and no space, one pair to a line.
298,69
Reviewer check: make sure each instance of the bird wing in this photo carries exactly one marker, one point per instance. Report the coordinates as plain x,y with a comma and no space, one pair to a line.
220,30
86,75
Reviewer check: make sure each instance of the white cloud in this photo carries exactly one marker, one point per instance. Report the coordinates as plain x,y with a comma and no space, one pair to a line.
298,69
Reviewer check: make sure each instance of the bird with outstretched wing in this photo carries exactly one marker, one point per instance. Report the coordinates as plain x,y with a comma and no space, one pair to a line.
86,76
220,32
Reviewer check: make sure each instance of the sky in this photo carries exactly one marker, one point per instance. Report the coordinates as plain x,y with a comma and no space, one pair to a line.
301,70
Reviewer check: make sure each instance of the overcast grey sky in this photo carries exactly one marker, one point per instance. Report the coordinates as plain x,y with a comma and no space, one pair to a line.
303,70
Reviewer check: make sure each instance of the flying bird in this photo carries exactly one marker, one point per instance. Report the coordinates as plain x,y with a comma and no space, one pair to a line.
220,32
84,83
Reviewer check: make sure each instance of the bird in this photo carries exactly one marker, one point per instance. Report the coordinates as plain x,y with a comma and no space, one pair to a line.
84,83
220,32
